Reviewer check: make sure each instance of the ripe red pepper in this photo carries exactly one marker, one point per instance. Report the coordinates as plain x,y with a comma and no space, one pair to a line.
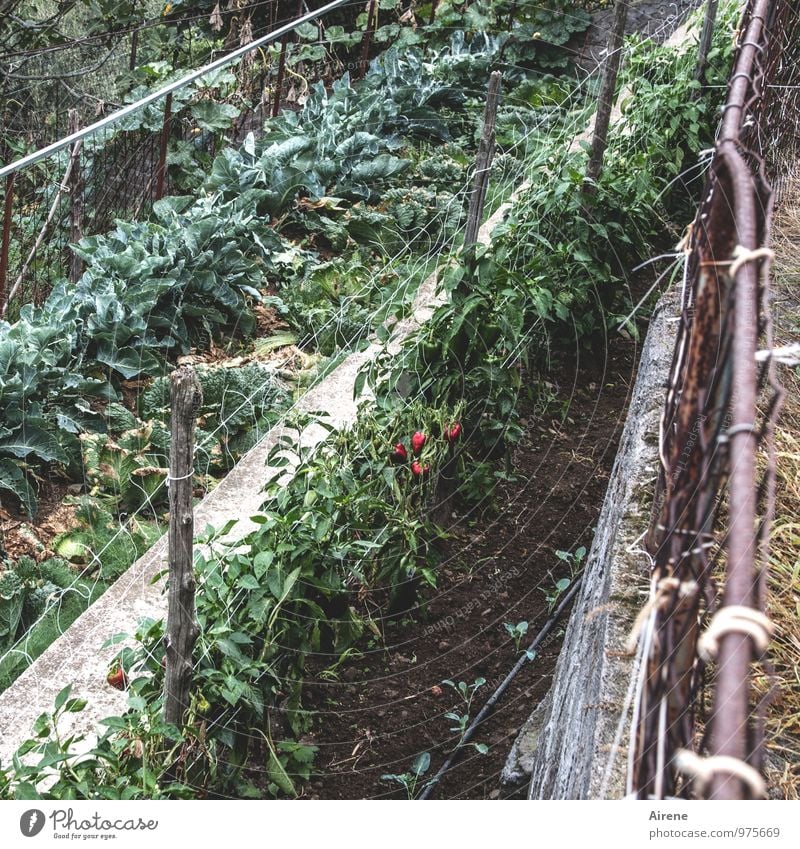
399,455
417,441
453,432
418,469
117,678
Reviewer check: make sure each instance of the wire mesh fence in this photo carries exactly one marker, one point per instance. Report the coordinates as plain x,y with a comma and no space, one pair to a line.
54,60
120,165
711,513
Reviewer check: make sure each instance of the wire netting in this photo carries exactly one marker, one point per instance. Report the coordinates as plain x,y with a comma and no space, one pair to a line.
711,515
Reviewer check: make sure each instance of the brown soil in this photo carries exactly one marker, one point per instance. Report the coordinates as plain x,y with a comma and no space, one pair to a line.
387,706
268,321
20,536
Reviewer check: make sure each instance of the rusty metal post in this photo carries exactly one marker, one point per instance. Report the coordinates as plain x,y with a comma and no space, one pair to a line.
710,433
8,208
729,729
161,173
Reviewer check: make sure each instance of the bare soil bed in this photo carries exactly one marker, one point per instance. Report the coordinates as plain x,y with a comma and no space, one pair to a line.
387,706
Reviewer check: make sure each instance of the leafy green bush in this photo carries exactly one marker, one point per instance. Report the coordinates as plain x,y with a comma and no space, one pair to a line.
149,290
100,544
240,403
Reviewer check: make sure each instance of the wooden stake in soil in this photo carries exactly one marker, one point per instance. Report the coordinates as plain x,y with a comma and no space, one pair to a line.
483,161
76,201
276,100
161,173
706,38
605,101
372,24
51,215
182,628
5,243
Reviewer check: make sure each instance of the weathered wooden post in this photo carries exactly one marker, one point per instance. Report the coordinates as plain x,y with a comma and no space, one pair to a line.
372,25
483,161
75,201
182,627
161,173
5,242
605,101
511,15
276,100
706,37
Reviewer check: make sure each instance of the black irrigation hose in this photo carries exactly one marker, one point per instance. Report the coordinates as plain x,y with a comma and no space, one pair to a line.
498,693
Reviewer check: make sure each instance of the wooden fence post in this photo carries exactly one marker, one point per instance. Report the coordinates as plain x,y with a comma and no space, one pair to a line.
483,161
511,15
706,38
161,173
76,202
182,627
605,101
276,100
372,25
5,242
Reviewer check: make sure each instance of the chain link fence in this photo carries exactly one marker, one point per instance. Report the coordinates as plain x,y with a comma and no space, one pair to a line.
701,635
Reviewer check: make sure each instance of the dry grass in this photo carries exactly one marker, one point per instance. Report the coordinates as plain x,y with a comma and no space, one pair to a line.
783,729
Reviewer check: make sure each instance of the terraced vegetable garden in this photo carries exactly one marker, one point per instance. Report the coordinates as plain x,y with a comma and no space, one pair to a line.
346,643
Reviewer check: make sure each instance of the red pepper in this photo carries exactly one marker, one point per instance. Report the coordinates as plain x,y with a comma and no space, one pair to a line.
453,433
117,678
419,470
399,455
417,441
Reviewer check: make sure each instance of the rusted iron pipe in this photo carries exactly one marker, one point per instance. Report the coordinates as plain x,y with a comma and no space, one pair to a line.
729,730
743,72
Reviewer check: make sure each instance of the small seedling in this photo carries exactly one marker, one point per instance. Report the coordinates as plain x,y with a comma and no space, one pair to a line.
461,718
574,560
554,594
409,780
331,673
516,632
